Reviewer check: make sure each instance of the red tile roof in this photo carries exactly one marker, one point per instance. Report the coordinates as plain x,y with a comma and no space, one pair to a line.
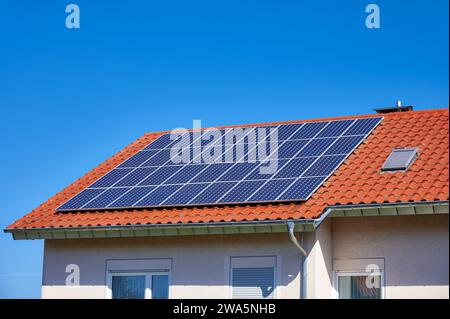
358,181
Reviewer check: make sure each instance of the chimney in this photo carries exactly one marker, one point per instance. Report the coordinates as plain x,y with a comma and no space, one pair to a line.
398,108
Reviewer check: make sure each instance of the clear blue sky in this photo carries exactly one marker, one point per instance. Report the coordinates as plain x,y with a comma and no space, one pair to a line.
69,99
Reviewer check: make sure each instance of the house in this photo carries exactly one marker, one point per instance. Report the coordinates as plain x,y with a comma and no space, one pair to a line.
377,227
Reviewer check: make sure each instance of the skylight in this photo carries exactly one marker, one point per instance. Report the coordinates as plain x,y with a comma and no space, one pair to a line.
400,159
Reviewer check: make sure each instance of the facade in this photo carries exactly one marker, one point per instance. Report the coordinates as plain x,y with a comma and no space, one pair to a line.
365,233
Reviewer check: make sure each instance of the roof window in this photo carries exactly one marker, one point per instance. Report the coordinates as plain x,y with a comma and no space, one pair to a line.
400,159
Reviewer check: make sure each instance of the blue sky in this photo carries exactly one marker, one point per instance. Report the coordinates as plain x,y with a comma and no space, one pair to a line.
69,99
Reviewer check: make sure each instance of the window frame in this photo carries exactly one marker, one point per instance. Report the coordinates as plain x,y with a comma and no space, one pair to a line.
337,274
414,153
148,281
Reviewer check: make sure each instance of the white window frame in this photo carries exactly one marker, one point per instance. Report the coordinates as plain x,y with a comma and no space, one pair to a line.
337,274
148,281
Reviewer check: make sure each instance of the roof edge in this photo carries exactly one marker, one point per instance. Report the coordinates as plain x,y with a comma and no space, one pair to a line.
152,230
254,226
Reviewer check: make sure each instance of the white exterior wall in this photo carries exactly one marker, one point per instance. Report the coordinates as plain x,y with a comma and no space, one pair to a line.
413,252
200,264
319,262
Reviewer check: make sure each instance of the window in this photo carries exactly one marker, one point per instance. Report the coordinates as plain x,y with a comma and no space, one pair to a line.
253,283
253,277
160,287
400,159
359,286
139,285
147,278
128,287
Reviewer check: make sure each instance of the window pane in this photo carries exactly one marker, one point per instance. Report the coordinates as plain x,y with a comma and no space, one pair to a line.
253,283
128,287
345,287
359,287
160,287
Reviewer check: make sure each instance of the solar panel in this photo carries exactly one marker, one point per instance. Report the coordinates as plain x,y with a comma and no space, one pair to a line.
272,189
139,158
212,193
241,191
132,197
105,198
244,165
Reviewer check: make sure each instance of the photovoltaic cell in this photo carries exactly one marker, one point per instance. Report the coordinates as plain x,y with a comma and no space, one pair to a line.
185,194
174,171
301,188
363,126
238,152
128,199
158,195
164,141
212,172
213,192
248,135
266,170
238,171
195,156
106,198
290,148
160,175
82,198
139,158
344,145
241,191
295,167
161,158
309,130
285,131
213,137
112,177
136,176
324,165
316,147
186,173
272,189
335,128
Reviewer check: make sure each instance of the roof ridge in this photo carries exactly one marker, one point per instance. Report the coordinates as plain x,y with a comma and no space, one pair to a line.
335,118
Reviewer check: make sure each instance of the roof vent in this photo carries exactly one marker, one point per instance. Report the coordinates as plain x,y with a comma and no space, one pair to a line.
398,108
400,159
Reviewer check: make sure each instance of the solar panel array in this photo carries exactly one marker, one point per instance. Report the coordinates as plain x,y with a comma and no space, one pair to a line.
306,155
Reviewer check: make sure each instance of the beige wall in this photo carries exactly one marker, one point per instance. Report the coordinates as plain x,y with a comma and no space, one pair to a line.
199,263
318,266
412,251
415,250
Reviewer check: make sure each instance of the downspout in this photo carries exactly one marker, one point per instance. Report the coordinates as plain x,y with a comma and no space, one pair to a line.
291,227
